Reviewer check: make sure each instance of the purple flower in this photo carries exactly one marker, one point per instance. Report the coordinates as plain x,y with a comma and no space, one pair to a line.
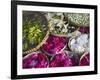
54,44
35,60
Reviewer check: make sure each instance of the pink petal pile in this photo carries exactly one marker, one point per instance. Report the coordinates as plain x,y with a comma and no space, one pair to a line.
63,59
35,60
54,44
85,59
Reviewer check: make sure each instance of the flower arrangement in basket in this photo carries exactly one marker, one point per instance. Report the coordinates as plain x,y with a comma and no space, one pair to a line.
35,31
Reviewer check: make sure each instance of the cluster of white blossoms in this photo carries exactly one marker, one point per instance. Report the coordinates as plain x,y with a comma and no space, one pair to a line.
80,19
59,23
79,43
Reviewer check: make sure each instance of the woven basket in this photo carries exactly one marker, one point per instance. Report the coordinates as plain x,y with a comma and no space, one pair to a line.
65,35
44,39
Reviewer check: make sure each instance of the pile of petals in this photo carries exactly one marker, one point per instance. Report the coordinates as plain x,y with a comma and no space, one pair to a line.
54,44
85,59
79,43
35,60
84,30
63,59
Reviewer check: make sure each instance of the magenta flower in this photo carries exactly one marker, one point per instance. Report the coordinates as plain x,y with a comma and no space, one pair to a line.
35,60
54,44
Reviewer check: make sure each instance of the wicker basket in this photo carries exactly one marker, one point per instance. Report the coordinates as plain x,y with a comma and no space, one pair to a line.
64,35
30,15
